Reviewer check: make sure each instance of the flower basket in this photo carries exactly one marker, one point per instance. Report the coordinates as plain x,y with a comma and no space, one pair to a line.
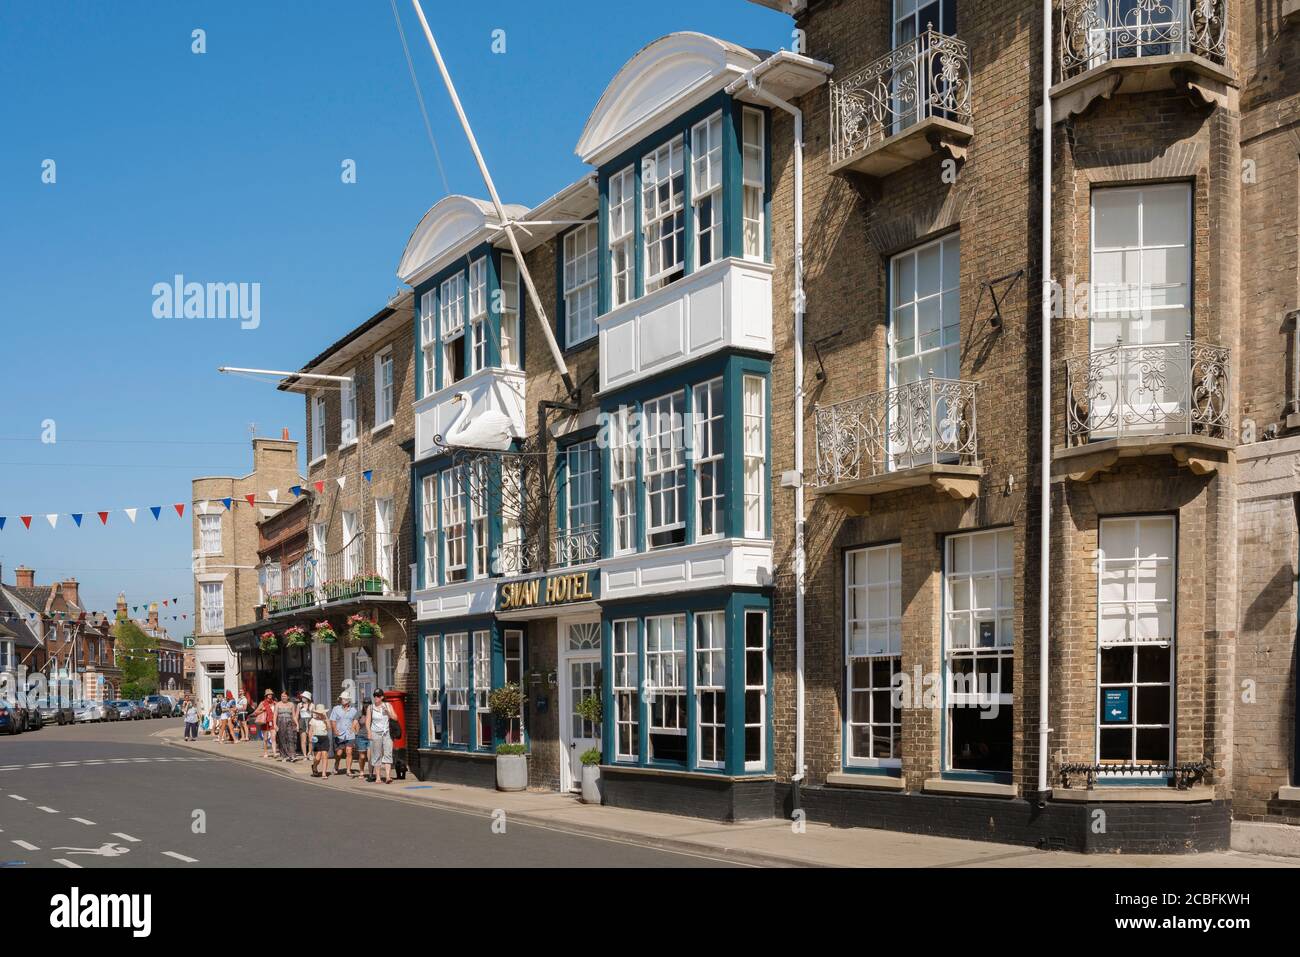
269,643
361,628
324,633
295,637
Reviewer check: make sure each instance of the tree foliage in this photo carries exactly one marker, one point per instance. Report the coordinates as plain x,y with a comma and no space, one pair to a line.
138,654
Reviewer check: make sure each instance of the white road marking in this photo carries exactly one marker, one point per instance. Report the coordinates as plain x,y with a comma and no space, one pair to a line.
66,863
45,765
18,797
182,857
126,837
27,847
47,810
82,820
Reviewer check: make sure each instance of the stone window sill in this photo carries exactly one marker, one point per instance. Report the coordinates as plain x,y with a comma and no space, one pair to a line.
867,782
971,788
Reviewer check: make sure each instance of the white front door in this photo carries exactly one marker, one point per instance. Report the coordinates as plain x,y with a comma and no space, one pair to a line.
580,678
320,673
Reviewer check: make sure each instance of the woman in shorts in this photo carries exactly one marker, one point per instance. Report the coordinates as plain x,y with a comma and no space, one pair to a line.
362,748
319,731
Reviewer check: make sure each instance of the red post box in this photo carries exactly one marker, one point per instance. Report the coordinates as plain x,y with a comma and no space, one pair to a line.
398,700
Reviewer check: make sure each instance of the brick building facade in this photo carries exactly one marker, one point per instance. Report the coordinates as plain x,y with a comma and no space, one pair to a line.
342,549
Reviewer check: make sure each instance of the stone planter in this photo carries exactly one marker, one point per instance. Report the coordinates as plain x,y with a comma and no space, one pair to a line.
591,784
512,772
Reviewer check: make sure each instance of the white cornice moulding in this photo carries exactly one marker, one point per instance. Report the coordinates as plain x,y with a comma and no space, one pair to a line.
663,80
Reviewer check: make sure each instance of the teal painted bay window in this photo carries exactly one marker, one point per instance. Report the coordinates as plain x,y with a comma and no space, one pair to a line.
689,684
461,663
469,317
688,457
697,191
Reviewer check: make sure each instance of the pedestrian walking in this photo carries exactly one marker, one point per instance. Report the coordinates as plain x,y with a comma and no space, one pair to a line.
343,721
319,731
304,716
191,712
241,715
264,721
286,727
378,717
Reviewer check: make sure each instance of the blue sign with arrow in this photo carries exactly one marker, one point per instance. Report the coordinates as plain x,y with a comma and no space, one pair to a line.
1115,702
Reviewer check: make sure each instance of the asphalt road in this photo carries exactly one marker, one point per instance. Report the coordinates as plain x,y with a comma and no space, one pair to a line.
114,795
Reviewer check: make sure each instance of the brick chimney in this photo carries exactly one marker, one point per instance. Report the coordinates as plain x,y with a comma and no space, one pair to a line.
70,592
24,577
284,434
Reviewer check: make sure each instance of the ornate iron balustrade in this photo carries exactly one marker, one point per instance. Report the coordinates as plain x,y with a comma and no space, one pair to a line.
1094,32
928,76
576,548
1183,775
928,422
520,557
1170,388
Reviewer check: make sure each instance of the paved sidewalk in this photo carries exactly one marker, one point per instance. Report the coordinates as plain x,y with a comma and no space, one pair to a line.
770,843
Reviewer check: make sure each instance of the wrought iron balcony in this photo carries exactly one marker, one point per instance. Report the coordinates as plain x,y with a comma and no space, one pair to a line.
900,437
576,548
900,107
1096,32
519,557
523,557
1163,389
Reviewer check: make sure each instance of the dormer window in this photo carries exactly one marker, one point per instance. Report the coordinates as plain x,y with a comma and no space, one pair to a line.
663,189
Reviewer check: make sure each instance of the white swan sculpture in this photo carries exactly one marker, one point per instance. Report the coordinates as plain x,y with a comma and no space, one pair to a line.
489,430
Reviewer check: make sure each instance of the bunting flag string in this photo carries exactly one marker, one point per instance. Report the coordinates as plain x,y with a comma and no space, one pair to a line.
202,507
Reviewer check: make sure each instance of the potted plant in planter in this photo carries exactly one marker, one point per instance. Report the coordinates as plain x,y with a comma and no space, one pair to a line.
512,767
269,643
506,704
295,637
590,775
591,710
361,628
324,632
371,584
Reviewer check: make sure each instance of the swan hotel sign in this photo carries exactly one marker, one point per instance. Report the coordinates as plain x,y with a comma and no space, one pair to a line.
549,590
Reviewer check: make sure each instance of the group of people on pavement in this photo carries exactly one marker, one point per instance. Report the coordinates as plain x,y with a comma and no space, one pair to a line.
296,729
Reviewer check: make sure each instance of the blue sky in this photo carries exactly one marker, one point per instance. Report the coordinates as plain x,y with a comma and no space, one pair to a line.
225,167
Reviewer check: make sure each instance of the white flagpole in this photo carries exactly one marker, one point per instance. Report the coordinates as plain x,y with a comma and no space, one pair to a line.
506,222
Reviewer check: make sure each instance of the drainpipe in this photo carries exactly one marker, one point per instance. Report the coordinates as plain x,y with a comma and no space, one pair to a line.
800,561
1045,428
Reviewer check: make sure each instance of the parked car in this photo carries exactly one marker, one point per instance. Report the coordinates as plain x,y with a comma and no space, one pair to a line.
158,705
110,711
87,711
57,713
34,720
11,719
127,710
